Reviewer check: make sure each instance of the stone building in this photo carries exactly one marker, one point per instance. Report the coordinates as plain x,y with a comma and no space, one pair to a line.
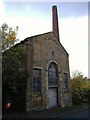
47,65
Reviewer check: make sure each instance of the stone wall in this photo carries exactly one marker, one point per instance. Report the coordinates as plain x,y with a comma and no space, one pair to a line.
41,55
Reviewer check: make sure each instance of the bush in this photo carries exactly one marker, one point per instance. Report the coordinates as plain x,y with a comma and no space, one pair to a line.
80,87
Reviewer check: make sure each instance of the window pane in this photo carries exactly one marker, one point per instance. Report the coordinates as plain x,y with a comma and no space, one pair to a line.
65,77
34,88
38,88
52,74
38,72
34,72
66,80
52,69
36,80
53,80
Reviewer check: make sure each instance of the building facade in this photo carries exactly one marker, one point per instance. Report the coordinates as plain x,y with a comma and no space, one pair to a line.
47,65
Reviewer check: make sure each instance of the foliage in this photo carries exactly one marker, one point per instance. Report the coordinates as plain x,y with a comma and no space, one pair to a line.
7,36
14,77
80,87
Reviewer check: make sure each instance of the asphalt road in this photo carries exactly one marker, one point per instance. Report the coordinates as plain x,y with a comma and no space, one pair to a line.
80,112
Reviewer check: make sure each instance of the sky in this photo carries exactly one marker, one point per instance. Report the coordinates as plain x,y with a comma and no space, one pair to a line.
35,18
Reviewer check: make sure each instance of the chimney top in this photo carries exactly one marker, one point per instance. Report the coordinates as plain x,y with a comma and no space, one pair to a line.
54,6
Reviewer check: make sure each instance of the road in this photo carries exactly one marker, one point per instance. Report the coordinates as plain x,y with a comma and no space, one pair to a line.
81,112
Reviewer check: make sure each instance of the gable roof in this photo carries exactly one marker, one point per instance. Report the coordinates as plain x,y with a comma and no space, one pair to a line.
51,32
28,38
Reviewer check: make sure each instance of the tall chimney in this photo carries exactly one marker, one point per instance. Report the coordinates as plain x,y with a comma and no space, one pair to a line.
55,22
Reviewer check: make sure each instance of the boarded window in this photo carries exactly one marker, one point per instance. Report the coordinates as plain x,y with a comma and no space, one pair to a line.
36,80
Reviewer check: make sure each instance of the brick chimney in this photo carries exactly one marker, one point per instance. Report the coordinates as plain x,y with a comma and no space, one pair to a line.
55,22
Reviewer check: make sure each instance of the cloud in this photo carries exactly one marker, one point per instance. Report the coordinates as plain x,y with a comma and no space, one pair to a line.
74,37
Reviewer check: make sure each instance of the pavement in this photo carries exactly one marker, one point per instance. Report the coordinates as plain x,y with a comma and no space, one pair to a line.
71,112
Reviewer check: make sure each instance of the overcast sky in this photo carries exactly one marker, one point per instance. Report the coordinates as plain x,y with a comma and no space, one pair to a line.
36,18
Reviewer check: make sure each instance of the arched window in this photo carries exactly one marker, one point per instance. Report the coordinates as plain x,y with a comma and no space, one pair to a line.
52,74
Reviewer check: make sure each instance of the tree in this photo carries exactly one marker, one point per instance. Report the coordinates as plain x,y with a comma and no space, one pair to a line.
14,76
80,87
7,36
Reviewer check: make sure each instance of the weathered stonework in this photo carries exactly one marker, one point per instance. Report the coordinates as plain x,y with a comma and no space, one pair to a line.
43,45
